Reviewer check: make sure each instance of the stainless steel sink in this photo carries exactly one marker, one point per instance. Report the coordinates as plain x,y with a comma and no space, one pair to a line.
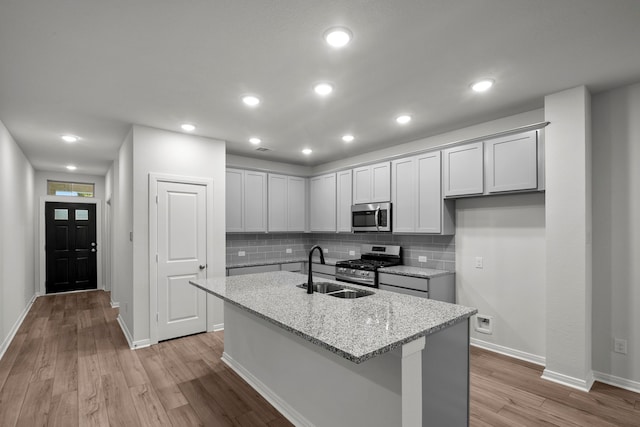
337,291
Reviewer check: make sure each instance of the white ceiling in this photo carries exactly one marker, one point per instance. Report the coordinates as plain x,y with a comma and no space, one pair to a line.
94,67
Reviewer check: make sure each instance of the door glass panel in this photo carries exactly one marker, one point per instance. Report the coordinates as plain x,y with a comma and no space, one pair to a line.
61,214
82,215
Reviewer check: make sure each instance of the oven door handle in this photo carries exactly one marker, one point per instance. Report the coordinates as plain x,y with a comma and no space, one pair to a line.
377,218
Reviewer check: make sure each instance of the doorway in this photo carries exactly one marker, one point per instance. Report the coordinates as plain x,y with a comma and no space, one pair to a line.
71,247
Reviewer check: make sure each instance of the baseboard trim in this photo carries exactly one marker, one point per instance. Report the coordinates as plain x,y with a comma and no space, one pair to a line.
283,407
517,354
14,330
115,304
617,381
577,383
217,327
133,345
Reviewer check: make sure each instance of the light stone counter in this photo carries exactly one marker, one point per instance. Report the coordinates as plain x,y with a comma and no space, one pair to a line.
355,329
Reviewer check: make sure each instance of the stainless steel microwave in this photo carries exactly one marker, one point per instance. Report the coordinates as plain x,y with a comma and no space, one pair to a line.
371,217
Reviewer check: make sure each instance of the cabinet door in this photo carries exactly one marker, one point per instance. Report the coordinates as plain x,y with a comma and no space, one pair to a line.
512,163
381,182
234,200
362,185
255,201
463,170
323,203
403,195
277,202
429,196
296,203
343,217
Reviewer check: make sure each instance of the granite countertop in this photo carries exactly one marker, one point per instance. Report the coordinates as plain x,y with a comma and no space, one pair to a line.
356,329
316,260
406,270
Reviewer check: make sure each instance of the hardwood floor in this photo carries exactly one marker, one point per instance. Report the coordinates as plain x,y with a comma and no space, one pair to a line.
69,365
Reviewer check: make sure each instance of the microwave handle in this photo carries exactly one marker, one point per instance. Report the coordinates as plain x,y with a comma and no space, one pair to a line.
378,218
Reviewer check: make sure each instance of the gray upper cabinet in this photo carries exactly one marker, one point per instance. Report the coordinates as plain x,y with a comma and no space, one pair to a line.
235,200
372,183
246,201
286,203
418,205
344,188
463,168
322,195
512,163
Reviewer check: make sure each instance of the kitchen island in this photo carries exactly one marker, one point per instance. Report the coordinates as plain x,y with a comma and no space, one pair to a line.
386,359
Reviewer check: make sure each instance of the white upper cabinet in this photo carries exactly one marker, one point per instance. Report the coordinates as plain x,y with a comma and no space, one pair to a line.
322,194
344,188
235,200
417,202
287,204
512,163
255,201
372,183
296,203
463,170
246,201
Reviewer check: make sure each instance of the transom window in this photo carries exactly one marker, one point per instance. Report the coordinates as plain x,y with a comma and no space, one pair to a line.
73,189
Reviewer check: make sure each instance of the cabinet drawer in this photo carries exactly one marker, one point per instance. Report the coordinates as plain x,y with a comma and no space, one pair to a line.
292,266
256,269
404,281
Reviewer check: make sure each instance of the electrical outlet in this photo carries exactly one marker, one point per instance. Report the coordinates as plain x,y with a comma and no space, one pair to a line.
242,253
326,251
620,346
479,262
288,250
352,253
484,324
422,259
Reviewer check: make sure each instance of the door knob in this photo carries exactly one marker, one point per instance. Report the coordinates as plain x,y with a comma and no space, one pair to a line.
202,267
93,244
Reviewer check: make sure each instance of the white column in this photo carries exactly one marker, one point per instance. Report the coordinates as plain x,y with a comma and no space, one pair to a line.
412,383
568,238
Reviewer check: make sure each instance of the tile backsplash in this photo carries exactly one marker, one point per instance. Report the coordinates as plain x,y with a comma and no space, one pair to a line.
439,250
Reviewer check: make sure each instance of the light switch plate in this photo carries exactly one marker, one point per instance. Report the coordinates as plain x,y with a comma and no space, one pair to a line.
241,253
352,253
479,262
288,250
422,259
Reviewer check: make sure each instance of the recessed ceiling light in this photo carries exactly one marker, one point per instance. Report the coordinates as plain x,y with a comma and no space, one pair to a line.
307,151
69,138
188,127
323,89
71,167
251,100
338,36
403,120
482,85
255,141
348,138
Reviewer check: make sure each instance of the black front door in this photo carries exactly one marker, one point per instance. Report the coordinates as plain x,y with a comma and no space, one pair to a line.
71,246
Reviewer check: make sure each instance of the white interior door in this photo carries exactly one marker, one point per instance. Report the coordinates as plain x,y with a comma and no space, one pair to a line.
182,256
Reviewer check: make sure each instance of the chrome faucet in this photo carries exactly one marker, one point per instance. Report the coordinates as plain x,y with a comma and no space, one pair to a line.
310,279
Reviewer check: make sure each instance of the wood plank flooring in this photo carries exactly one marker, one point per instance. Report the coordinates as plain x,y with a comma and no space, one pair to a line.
69,365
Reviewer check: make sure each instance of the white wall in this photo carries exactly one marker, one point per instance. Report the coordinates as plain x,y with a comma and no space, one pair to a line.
616,231
17,279
122,207
568,236
165,152
508,232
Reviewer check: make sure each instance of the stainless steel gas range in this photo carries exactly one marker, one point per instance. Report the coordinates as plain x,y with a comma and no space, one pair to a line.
364,271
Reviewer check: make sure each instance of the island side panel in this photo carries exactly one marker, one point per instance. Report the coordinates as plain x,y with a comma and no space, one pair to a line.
310,385
445,377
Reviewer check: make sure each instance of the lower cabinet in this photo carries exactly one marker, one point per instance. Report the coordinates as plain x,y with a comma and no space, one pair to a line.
439,288
324,271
